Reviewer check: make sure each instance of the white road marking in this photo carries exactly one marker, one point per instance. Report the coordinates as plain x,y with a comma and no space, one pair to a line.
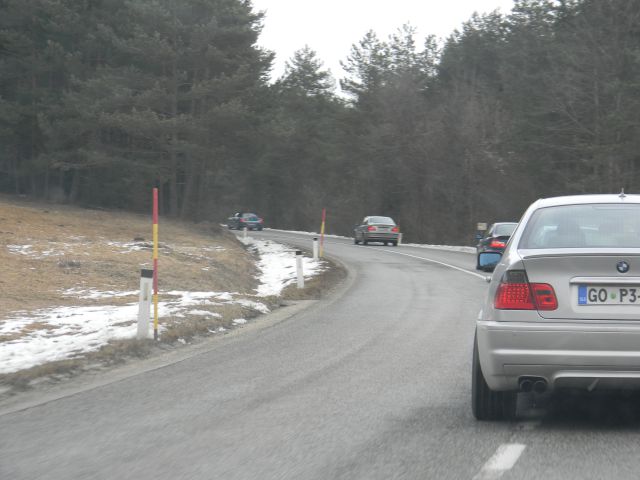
430,260
503,460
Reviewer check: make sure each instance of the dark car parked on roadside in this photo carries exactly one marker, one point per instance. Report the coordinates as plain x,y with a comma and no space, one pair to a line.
495,239
241,220
376,229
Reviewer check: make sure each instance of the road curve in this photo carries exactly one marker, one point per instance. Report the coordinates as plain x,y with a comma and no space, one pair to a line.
372,383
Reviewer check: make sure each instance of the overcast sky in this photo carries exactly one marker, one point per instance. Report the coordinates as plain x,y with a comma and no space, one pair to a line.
330,27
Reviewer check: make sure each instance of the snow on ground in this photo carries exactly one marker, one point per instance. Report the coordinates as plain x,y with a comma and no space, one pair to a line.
60,333
204,313
130,246
91,293
277,266
65,332
20,249
52,249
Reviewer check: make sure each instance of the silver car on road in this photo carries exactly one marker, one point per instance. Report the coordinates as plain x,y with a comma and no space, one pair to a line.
563,307
376,229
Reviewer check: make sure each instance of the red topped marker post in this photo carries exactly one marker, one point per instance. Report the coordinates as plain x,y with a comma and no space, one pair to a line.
155,264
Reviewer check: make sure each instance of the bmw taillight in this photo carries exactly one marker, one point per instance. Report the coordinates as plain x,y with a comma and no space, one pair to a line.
516,293
371,228
514,296
259,220
242,220
497,244
544,296
395,229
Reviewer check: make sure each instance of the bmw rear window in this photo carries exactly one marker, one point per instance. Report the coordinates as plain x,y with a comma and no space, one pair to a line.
583,226
381,220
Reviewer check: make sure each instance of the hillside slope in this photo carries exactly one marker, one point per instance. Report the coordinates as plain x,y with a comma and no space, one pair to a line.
70,278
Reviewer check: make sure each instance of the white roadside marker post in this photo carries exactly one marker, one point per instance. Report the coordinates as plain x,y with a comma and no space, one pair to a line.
144,303
400,239
244,233
315,248
299,269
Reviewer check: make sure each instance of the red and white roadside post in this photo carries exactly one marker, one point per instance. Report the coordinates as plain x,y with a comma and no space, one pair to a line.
155,264
324,218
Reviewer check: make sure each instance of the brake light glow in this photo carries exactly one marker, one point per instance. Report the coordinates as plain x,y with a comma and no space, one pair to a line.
242,220
513,296
516,293
395,229
371,228
497,244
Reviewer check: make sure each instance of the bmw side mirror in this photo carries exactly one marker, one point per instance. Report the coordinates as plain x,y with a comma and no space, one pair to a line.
487,261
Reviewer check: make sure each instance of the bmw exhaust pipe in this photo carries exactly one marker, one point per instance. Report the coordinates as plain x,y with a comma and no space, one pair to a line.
526,385
540,386
532,384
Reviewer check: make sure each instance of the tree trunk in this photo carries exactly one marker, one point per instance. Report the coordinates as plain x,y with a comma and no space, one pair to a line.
16,175
75,186
47,175
203,186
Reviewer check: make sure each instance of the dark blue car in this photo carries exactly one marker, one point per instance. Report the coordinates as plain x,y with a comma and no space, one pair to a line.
241,220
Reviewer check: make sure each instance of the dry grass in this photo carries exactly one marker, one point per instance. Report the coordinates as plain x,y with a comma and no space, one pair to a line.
23,379
118,351
70,248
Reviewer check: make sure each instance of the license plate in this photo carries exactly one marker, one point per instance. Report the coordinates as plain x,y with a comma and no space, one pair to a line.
608,295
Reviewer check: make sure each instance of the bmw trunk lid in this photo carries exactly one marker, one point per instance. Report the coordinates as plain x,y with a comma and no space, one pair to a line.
603,285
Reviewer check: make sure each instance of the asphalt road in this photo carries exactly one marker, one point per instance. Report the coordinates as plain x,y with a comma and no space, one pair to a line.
372,383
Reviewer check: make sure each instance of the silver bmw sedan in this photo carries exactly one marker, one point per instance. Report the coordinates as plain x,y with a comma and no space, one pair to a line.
563,307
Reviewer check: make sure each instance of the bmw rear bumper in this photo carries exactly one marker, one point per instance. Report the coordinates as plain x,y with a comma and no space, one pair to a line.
382,237
566,355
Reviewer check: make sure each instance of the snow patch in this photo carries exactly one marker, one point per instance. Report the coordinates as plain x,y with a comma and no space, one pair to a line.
50,249
277,266
129,246
20,249
204,313
93,294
